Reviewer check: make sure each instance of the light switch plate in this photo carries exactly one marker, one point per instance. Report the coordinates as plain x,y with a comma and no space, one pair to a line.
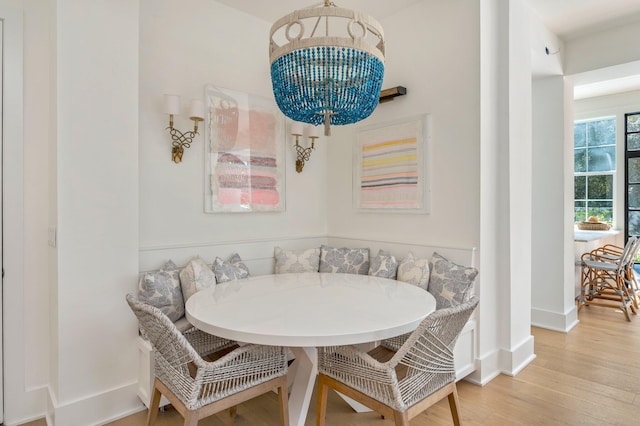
51,238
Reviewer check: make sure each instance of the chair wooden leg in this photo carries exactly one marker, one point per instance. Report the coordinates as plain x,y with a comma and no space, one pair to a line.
191,418
454,403
233,411
402,419
154,405
626,313
283,404
322,402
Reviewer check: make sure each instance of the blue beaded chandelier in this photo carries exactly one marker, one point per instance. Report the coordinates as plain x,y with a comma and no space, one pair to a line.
331,76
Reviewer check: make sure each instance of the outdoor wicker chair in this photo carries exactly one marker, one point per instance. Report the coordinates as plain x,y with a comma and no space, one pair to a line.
613,253
198,388
606,279
398,384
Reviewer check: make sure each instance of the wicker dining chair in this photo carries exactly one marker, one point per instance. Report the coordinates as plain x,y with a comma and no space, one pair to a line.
398,384
613,253
606,278
198,388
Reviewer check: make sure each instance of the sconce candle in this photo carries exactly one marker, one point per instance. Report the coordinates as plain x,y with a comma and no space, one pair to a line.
182,140
314,131
172,104
196,111
296,128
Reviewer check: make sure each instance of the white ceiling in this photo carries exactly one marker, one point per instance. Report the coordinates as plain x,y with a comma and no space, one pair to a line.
566,18
573,18
270,10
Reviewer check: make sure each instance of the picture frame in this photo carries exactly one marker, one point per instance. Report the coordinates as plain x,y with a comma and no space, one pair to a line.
390,166
244,153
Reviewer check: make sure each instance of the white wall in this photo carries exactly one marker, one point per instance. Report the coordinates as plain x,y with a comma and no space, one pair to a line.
492,185
520,182
603,49
97,208
438,64
506,344
552,290
24,325
547,50
181,52
36,151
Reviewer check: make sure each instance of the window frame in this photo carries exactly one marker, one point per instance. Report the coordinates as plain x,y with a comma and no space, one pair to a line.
627,156
587,174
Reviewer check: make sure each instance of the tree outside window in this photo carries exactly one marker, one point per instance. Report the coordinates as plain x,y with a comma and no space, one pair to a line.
594,168
632,156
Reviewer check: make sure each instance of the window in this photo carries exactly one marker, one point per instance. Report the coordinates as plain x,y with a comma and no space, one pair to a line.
594,148
632,155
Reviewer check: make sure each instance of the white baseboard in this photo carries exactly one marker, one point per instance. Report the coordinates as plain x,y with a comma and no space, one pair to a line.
487,369
502,361
515,360
33,406
96,410
556,321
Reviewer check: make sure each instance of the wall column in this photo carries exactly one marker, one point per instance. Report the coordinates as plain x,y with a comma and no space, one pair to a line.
506,186
552,291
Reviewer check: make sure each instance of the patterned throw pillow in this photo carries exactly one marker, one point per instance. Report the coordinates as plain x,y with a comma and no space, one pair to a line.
162,290
196,276
384,265
414,271
451,284
344,260
290,261
230,270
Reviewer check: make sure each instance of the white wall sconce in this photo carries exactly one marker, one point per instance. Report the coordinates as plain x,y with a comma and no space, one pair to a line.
181,140
304,153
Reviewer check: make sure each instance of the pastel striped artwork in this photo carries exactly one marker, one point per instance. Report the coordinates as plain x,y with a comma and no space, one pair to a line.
389,174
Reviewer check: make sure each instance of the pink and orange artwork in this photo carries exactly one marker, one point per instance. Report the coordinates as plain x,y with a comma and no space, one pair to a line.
245,156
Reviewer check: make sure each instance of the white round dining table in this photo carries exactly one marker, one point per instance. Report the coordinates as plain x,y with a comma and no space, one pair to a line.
305,310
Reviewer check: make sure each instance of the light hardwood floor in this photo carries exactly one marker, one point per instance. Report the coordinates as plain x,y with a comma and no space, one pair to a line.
590,376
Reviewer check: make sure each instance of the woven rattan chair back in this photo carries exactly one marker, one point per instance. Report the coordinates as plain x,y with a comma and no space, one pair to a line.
399,381
428,353
629,252
630,275
198,388
606,278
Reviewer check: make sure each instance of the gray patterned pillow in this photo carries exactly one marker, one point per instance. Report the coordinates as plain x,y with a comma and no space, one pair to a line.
451,284
289,261
162,290
414,271
196,276
230,270
384,265
344,260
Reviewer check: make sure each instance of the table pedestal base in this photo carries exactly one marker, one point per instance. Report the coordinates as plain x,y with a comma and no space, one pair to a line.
301,378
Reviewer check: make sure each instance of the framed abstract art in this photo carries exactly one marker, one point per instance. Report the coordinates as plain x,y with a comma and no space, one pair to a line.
244,153
390,167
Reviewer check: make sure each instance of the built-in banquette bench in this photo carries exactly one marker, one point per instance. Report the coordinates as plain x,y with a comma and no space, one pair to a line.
258,256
